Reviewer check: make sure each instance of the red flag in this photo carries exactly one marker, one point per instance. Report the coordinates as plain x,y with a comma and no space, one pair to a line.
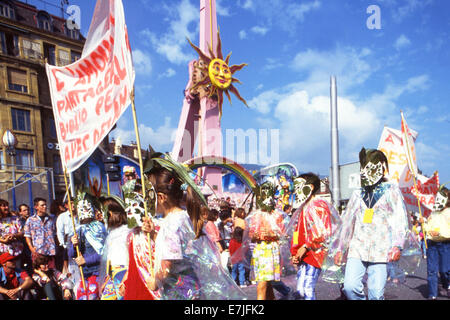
426,191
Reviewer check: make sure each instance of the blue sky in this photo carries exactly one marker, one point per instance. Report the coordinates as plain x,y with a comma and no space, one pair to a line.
292,48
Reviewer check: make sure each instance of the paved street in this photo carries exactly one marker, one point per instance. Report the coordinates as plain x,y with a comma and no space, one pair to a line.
414,288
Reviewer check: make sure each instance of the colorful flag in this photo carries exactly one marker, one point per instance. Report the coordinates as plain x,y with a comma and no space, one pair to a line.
90,95
409,147
391,143
427,189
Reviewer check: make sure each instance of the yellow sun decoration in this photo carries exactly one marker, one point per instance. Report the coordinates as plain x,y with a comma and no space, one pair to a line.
218,75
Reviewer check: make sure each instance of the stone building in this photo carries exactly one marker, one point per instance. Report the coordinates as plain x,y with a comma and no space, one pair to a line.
28,38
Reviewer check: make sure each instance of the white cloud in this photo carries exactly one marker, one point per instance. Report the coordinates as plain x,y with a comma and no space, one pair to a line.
184,21
169,73
259,30
160,139
351,66
302,110
402,42
142,62
283,13
402,9
242,34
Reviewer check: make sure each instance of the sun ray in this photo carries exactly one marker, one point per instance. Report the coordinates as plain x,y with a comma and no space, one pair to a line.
237,94
237,68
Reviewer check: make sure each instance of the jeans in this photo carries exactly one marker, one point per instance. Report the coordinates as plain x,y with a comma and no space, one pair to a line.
376,281
307,277
438,261
238,268
281,287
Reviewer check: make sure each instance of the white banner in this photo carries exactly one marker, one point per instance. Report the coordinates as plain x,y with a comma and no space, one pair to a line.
391,143
90,95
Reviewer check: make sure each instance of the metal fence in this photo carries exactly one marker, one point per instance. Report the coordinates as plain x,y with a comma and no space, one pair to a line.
21,185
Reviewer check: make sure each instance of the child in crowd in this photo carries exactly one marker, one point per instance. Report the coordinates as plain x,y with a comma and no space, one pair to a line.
237,263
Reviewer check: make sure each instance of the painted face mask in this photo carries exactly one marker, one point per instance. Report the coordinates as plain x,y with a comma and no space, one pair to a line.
302,191
440,201
134,207
85,210
265,197
373,165
371,174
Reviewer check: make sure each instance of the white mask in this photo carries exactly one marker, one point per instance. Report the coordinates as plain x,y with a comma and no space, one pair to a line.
372,173
439,202
302,191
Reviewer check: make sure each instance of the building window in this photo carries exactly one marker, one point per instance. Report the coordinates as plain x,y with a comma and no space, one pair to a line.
17,80
9,44
31,49
21,120
6,11
57,165
2,160
64,57
73,33
24,159
75,56
49,54
44,21
52,129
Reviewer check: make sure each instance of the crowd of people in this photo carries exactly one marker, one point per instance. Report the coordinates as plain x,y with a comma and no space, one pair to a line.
187,249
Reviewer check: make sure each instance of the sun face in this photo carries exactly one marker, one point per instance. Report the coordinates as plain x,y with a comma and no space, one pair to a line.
216,74
219,74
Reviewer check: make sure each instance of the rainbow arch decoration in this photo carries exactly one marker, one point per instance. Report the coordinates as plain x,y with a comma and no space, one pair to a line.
224,163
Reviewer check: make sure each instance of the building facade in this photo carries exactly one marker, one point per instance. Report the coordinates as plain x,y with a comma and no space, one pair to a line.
29,37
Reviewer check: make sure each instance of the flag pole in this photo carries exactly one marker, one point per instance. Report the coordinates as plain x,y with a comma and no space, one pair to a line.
74,230
141,166
414,177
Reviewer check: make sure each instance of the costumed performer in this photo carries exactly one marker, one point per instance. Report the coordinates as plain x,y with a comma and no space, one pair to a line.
90,236
187,262
374,230
265,229
316,221
115,253
437,229
140,251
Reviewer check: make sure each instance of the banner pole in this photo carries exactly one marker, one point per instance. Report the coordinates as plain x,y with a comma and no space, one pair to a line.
141,166
414,178
74,230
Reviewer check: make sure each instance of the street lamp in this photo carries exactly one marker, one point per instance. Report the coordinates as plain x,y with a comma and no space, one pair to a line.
10,142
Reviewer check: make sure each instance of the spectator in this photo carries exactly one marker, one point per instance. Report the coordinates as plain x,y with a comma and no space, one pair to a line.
24,214
14,285
11,234
437,229
239,218
40,232
211,229
238,268
64,231
56,209
225,229
53,284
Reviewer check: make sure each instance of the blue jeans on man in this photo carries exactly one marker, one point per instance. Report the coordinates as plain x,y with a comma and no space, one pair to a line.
353,280
438,261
